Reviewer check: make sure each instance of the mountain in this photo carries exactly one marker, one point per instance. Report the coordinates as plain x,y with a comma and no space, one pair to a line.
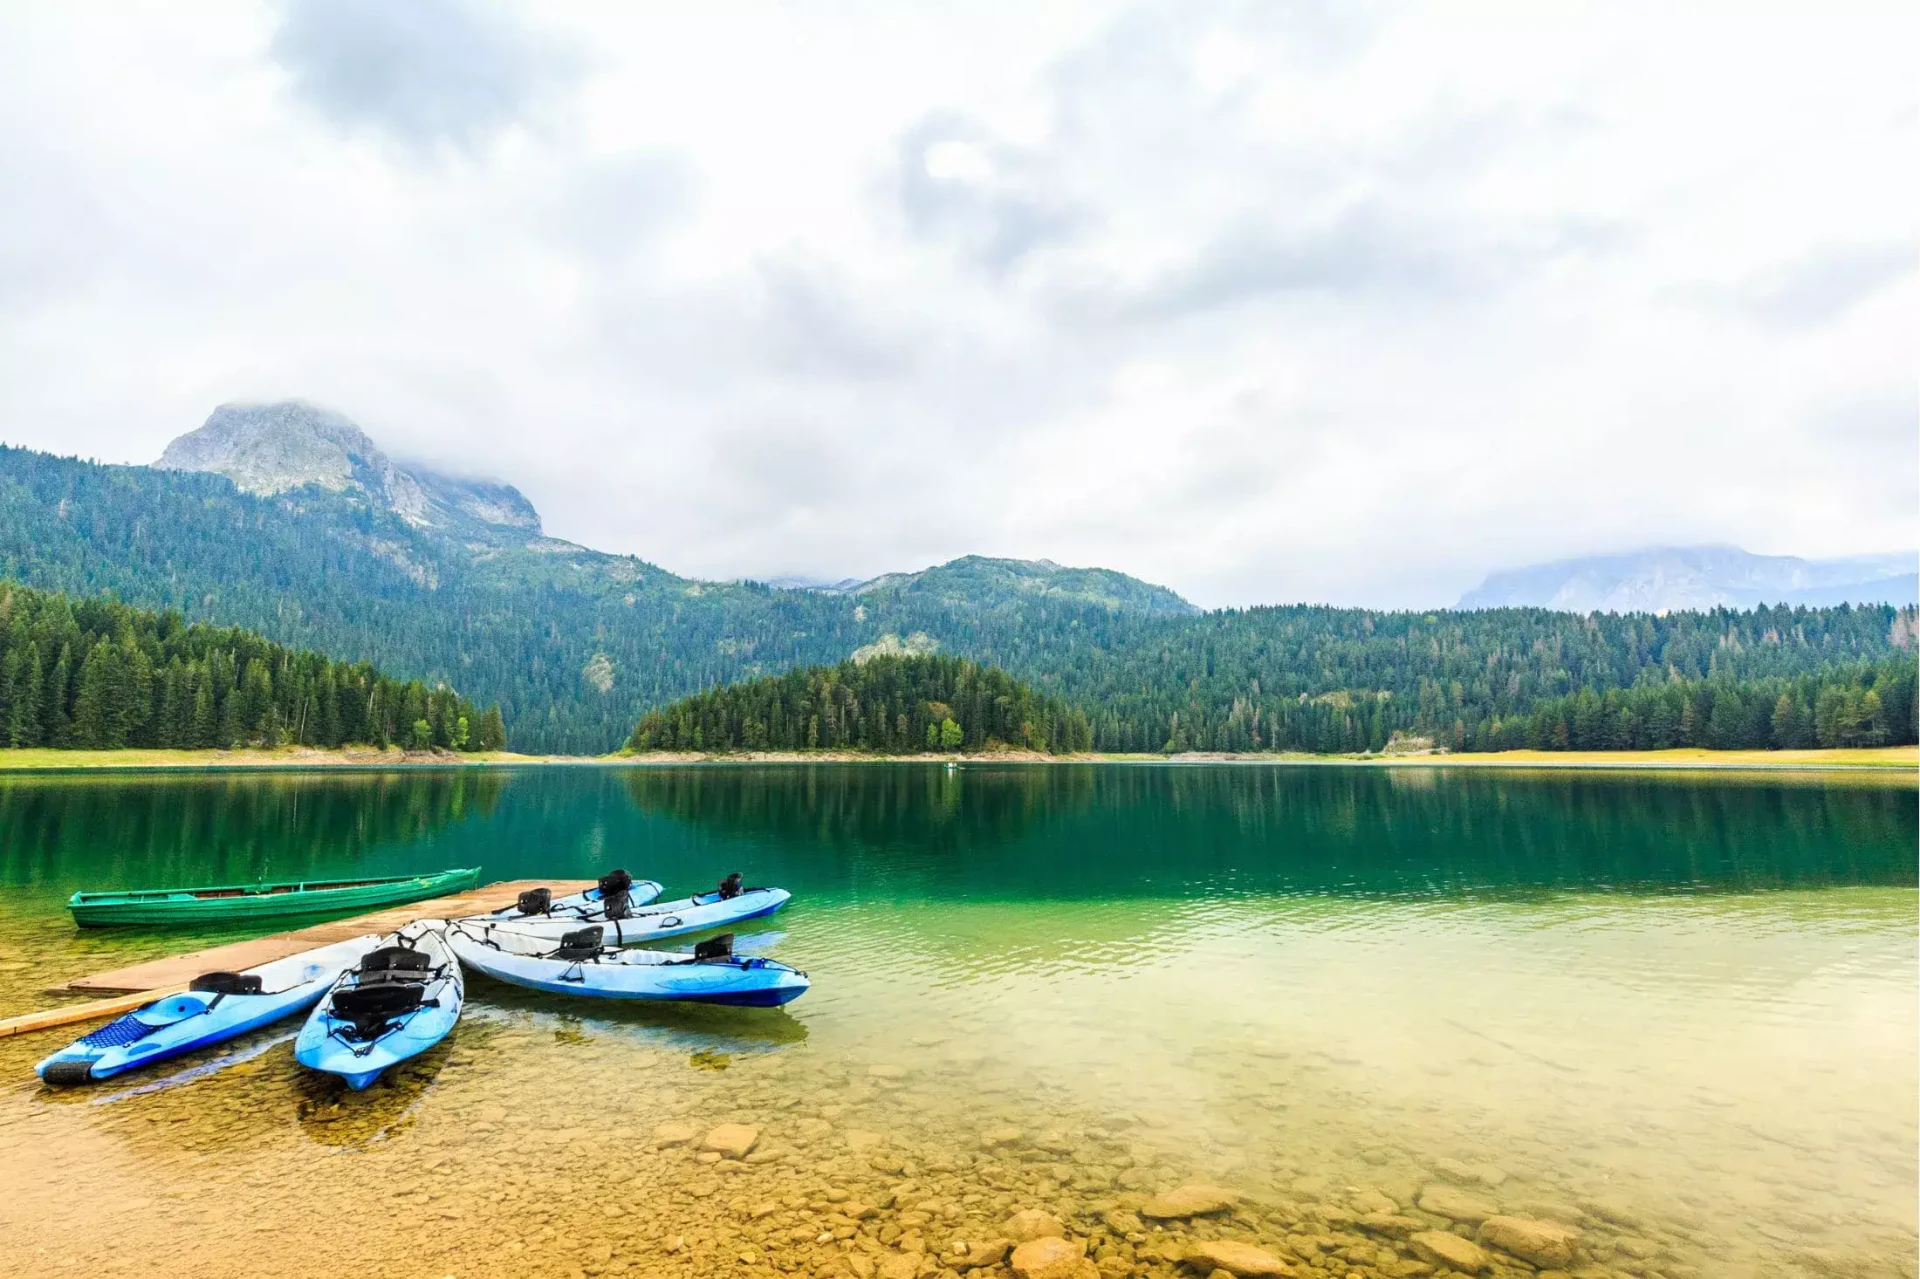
1666,578
276,448
287,519
976,580
342,550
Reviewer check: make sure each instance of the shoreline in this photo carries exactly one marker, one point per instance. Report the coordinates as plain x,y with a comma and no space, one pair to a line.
1878,759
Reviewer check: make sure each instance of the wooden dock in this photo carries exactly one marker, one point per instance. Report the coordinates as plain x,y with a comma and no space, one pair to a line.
175,971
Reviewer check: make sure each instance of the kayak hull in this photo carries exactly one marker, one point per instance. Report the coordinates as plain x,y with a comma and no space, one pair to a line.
233,903
639,975
191,1020
330,1044
581,905
656,923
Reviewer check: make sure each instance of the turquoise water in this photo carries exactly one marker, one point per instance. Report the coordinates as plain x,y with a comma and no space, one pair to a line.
1676,1010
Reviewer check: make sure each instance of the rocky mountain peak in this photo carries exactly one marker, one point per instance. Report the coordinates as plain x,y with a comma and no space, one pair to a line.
272,448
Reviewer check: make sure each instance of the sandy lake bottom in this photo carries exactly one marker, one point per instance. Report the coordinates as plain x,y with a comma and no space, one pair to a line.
1605,1026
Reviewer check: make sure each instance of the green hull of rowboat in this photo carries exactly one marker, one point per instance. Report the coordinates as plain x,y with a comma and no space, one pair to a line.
237,903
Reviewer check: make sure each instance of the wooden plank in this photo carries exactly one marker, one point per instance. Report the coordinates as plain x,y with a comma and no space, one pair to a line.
175,971
73,1013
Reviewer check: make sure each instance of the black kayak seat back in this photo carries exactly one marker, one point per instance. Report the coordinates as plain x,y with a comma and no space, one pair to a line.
616,905
372,1005
581,943
615,883
535,901
730,887
720,947
227,984
398,959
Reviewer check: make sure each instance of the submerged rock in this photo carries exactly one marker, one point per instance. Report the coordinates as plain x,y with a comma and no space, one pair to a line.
1372,1201
1052,1258
1242,1260
1487,1175
1033,1223
672,1134
1442,1248
732,1141
1455,1204
898,1265
989,1253
1545,1243
1188,1201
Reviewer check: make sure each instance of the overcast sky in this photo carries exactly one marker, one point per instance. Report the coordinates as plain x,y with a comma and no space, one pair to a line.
1329,301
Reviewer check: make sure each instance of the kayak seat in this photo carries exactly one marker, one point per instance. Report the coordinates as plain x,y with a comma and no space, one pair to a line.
720,947
227,984
730,887
373,1006
535,901
616,896
581,943
397,959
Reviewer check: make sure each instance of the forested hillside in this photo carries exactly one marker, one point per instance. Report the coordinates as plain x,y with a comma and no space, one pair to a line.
94,674
889,705
1858,705
1324,679
576,645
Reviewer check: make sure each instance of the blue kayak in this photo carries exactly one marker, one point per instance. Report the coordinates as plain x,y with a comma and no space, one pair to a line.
616,889
400,1000
655,923
215,1008
583,965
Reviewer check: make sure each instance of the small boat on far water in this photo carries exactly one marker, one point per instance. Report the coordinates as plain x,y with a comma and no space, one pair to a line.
163,907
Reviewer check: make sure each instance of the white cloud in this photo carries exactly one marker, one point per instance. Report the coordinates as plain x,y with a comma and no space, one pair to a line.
1266,302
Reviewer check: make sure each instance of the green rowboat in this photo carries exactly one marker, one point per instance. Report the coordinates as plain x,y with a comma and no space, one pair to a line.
238,903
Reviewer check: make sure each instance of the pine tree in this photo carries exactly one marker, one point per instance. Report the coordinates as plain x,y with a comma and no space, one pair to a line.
204,729
27,725
93,711
493,731
53,697
137,694
232,730
1785,724
176,707
9,672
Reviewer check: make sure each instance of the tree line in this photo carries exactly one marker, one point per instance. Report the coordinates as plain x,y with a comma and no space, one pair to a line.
576,646
888,705
1341,680
97,674
1864,705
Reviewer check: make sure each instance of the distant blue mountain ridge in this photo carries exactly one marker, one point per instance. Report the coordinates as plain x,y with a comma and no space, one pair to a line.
1666,579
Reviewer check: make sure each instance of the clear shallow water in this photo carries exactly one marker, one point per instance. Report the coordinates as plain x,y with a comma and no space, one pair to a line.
1675,1010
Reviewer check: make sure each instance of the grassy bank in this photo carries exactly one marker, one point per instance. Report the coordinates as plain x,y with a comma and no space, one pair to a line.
1879,757
1686,757
39,760
43,760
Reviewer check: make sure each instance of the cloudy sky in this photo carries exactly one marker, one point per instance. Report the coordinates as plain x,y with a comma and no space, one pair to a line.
1333,301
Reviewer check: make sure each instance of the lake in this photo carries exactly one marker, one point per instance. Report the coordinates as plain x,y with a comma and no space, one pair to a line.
1674,1013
